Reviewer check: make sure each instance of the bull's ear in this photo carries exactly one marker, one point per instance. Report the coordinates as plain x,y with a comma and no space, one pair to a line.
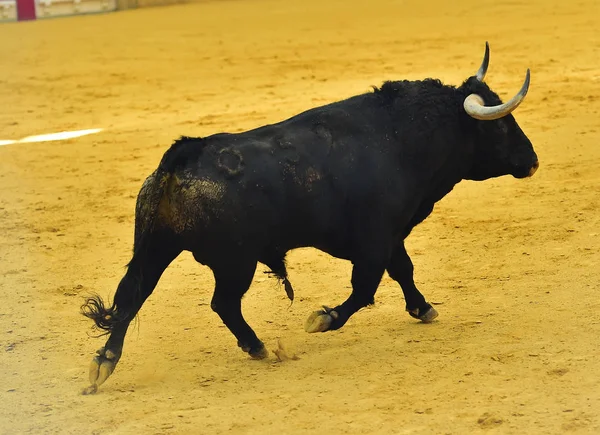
484,65
475,106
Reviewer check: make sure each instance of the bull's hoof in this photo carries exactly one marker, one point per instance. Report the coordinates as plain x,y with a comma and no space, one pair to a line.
261,353
256,352
320,321
426,316
101,368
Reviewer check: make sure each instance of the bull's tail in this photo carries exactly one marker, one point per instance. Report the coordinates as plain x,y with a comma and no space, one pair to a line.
104,318
153,251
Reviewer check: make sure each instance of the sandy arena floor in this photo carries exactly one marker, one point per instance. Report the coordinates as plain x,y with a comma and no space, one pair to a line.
512,264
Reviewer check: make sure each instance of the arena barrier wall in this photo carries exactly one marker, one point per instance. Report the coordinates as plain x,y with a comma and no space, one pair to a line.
25,10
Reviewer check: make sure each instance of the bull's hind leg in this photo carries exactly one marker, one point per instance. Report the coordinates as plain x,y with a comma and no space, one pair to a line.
143,273
232,280
366,275
401,270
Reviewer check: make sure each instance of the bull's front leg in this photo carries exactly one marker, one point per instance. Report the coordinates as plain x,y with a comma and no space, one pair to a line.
401,269
366,276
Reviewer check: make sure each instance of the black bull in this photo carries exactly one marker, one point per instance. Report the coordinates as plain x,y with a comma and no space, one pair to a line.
350,178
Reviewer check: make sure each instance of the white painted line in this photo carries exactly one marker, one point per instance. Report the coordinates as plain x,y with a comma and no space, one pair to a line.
53,136
59,136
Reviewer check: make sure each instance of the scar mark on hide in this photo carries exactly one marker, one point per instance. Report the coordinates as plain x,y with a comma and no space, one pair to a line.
311,177
283,143
230,161
291,155
323,132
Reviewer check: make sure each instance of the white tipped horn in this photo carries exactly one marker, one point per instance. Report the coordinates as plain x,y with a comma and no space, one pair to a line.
475,106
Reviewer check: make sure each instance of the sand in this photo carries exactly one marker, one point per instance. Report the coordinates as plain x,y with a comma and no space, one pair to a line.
511,264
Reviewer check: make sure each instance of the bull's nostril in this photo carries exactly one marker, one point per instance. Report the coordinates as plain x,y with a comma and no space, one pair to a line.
534,168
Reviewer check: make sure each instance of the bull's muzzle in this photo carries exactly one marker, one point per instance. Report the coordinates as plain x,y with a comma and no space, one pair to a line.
534,168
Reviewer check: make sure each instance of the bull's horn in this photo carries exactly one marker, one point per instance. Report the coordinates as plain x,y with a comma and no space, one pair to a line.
484,65
474,104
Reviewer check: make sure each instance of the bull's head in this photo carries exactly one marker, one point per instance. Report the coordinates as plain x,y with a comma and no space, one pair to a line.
500,146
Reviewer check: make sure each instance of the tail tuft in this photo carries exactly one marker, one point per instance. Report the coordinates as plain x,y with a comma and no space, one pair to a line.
105,319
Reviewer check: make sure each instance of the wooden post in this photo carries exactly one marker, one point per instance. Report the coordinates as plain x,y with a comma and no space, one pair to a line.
26,10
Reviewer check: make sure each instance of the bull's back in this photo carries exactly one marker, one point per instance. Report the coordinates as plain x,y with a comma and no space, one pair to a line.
289,183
